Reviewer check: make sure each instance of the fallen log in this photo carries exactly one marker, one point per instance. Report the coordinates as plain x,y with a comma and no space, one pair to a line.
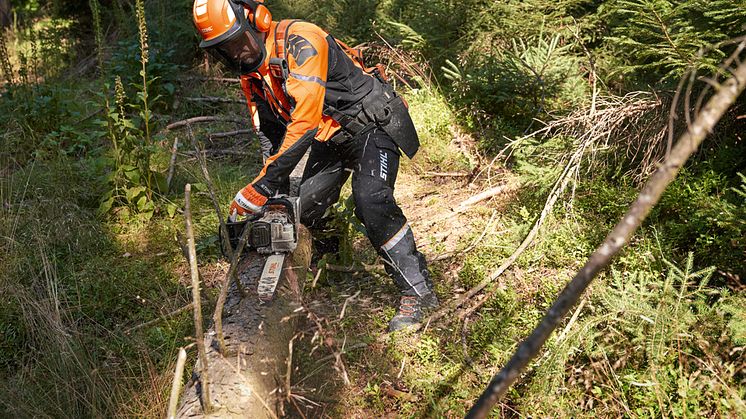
249,379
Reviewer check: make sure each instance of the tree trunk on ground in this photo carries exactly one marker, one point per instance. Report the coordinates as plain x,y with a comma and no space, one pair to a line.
256,337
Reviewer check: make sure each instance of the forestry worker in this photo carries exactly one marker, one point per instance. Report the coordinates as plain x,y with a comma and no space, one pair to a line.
307,89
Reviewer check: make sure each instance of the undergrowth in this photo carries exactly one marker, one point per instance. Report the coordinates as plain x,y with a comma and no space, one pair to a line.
87,226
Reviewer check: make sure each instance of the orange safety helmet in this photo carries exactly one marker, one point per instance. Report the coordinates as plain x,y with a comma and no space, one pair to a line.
231,31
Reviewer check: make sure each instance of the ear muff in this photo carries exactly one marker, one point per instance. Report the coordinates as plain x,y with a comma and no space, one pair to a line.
261,18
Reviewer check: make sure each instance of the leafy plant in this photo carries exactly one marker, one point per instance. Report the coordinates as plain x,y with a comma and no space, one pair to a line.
130,179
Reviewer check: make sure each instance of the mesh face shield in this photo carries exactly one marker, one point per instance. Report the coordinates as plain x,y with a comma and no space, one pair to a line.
243,51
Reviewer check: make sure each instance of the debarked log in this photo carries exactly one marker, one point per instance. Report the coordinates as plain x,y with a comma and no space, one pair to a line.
248,381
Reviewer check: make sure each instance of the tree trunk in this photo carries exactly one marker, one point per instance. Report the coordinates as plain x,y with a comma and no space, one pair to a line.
5,19
257,338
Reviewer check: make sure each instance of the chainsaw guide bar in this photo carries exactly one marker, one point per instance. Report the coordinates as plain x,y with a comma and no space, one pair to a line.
270,277
274,233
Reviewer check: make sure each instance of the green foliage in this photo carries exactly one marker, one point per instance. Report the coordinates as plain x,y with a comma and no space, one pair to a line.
531,78
647,343
660,39
130,180
700,213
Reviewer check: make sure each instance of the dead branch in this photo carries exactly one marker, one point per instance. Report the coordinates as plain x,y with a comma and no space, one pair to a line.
214,99
218,79
289,369
172,164
445,174
635,123
201,119
557,191
572,321
620,235
160,319
471,246
229,134
217,152
348,349
199,335
182,242
217,316
176,385
347,301
316,277
328,340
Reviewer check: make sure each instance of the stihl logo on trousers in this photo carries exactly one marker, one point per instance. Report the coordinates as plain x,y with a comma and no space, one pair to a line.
384,159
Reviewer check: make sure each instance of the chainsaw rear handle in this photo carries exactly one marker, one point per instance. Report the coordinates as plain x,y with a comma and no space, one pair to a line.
277,201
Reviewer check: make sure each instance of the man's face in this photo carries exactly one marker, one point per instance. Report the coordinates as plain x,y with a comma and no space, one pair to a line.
244,52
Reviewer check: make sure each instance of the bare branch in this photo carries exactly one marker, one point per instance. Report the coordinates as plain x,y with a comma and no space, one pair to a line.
214,99
201,119
172,164
176,385
217,316
217,79
215,204
199,334
559,188
161,318
229,134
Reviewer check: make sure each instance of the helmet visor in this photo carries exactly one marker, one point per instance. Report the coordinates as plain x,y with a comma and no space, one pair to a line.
242,52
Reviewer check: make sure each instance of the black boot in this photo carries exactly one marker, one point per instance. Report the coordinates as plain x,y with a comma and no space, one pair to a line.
408,268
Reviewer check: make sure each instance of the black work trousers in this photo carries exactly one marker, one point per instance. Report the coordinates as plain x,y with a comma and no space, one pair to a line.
373,160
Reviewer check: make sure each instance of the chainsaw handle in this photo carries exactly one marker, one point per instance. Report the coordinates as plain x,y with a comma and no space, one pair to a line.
280,200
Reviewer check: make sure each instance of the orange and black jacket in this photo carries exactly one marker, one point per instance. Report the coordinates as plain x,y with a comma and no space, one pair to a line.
320,76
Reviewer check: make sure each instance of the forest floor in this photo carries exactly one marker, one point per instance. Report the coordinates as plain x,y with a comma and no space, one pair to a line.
439,372
106,276
384,370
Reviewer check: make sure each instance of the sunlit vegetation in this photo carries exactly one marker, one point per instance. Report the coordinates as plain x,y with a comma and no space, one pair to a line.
90,205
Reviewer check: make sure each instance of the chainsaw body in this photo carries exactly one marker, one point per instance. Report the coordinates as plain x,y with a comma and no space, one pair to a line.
273,233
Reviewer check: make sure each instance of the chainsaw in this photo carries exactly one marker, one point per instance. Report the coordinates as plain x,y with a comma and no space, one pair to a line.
273,233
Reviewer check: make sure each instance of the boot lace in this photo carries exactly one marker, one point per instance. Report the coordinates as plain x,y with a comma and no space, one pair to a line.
408,306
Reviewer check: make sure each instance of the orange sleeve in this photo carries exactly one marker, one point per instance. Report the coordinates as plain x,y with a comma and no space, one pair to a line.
307,56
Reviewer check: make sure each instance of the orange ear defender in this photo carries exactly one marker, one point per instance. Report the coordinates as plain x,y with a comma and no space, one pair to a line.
261,18
259,15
